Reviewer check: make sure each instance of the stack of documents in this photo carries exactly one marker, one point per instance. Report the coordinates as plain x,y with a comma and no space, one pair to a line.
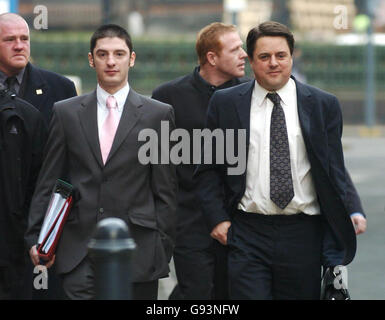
57,212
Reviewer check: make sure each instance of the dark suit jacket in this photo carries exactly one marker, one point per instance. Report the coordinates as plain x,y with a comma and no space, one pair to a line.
142,195
42,88
353,201
23,134
189,95
321,123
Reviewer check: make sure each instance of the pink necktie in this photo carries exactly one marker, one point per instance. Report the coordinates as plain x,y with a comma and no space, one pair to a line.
109,127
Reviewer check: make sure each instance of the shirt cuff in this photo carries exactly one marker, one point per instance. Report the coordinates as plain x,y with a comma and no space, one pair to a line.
356,214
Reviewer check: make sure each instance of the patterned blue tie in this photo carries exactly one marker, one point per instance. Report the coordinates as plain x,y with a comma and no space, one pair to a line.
281,182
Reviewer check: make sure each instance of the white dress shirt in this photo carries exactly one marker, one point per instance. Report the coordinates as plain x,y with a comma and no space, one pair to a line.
257,194
102,95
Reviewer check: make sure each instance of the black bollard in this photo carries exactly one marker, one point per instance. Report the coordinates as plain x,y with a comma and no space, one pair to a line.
110,251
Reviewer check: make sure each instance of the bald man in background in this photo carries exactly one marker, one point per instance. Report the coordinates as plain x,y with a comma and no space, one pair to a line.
39,87
42,89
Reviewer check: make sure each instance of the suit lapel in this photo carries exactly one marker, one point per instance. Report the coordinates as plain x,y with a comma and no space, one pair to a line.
304,105
89,122
131,114
244,106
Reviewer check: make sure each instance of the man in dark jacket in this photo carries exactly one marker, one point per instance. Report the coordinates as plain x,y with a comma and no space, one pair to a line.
22,138
286,214
200,260
39,87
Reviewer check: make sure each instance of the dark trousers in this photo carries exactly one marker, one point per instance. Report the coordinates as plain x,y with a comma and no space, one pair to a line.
274,256
79,284
201,272
14,282
11,283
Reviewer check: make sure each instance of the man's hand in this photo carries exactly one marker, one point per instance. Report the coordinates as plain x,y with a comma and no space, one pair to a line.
35,258
220,232
359,223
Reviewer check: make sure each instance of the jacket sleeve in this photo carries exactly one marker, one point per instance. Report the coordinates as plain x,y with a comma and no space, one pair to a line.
334,252
335,151
209,178
353,201
51,170
164,188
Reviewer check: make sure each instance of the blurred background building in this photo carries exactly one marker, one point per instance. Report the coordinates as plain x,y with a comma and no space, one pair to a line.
165,17
332,41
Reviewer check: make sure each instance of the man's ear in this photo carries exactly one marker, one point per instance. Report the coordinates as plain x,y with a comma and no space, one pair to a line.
91,60
132,59
211,58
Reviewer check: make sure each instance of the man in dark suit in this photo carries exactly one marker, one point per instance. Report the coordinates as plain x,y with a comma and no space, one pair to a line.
23,135
39,87
200,261
93,140
285,216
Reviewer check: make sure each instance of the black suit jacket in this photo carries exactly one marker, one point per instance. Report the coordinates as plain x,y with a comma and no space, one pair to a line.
42,88
23,134
321,123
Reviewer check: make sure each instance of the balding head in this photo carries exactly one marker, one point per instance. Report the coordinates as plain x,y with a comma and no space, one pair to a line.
12,18
14,43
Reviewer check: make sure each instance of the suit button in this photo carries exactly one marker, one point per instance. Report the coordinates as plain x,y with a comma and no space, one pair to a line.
101,210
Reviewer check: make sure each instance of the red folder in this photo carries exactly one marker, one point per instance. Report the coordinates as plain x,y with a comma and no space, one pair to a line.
55,217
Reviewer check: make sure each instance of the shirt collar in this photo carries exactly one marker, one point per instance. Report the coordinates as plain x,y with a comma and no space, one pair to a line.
19,76
284,93
209,88
120,96
259,94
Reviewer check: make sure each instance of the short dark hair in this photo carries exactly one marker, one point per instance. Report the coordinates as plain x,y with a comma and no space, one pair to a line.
110,31
268,29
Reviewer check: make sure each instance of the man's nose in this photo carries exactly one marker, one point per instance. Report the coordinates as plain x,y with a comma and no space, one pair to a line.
273,61
243,54
18,44
111,60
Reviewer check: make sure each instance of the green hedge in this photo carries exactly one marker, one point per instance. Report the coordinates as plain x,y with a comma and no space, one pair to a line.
329,67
